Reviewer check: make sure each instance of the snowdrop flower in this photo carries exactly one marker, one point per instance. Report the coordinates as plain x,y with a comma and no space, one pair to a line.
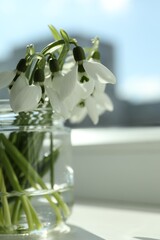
62,77
54,88
94,105
69,64
7,78
89,96
75,98
86,75
92,70
24,97
59,87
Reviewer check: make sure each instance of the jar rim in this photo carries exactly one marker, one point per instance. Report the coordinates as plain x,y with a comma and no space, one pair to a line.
5,104
7,115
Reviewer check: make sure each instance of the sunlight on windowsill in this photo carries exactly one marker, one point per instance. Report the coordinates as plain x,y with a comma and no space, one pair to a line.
101,136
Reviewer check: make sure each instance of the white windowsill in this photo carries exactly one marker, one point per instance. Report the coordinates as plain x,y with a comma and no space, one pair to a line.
117,164
117,222
103,136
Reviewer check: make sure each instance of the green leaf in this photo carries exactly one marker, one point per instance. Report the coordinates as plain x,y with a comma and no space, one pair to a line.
65,36
54,32
52,47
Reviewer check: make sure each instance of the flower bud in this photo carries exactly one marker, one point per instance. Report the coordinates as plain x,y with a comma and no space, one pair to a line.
22,66
39,75
53,65
78,54
96,55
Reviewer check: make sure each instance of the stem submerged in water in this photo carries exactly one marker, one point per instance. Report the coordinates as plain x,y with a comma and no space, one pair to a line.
32,218
4,201
10,155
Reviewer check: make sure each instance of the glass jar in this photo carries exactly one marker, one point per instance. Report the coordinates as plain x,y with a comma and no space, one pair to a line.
36,175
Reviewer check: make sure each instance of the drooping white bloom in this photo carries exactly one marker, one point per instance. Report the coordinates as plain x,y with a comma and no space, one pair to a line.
24,97
92,69
75,86
89,95
78,114
75,97
69,64
103,100
64,85
57,105
82,87
99,72
94,105
58,88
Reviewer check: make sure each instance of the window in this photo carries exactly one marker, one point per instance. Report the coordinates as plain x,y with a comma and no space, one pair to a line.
129,32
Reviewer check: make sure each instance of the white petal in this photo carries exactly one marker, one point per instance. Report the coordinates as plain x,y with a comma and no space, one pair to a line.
99,87
57,105
103,101
99,72
76,97
26,100
78,114
87,88
64,85
6,78
69,64
53,99
48,82
20,83
92,110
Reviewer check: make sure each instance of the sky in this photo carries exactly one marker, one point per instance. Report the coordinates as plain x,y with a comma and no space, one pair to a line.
132,26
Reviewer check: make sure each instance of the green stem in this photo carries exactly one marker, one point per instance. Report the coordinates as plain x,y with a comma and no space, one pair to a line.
56,210
22,163
63,54
4,200
16,211
33,176
35,218
1,218
63,205
52,163
15,183
27,211
50,48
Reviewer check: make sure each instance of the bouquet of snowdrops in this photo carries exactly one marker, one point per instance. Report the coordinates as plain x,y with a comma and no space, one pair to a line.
66,78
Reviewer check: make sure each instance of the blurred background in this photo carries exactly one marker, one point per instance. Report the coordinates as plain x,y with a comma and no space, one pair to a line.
129,34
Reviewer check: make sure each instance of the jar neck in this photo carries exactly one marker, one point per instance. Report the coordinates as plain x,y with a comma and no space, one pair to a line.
40,116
